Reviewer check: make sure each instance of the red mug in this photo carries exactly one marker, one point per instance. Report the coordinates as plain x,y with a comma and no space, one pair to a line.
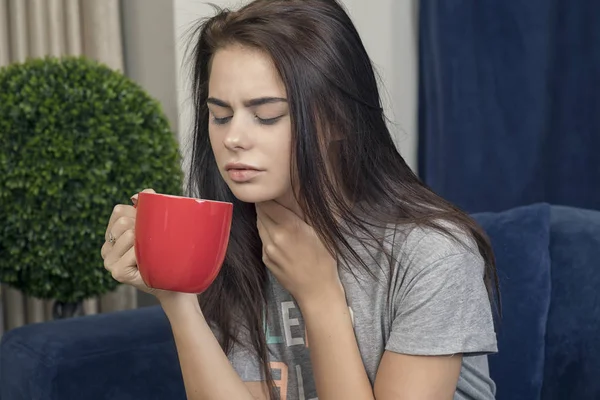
180,242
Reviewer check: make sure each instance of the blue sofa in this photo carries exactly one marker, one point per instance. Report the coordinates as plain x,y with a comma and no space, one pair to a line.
549,338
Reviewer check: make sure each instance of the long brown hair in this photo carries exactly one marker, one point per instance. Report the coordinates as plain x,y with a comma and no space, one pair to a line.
333,98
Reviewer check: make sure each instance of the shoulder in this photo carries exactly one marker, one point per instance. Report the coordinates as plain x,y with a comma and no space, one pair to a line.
418,247
412,248
440,304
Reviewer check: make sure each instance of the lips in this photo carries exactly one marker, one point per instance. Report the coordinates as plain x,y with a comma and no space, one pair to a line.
241,173
240,166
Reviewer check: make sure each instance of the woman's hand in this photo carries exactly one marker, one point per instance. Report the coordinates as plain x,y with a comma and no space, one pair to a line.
118,251
295,255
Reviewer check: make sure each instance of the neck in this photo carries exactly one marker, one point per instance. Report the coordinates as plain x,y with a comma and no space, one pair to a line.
289,201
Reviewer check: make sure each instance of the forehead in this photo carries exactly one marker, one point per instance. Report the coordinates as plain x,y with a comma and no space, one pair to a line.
238,71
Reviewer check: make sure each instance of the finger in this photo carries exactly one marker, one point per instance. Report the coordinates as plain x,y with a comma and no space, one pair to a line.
268,246
121,225
270,252
266,227
105,249
125,269
134,198
129,258
122,245
127,261
120,210
263,231
266,260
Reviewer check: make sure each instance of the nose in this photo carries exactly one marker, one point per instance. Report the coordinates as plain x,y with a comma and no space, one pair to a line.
237,136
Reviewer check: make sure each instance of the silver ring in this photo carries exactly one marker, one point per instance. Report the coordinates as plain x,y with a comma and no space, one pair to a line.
111,238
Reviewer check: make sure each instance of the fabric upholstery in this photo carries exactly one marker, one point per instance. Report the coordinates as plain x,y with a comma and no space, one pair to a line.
117,356
573,333
520,238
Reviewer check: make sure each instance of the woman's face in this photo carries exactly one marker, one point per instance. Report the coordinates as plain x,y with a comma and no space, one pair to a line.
249,127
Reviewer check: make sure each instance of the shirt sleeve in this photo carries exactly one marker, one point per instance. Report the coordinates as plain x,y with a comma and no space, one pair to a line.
440,303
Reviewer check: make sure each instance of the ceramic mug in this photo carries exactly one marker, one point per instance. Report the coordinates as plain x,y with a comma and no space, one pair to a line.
180,242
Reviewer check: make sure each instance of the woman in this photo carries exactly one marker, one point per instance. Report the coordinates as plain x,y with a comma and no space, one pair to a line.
345,277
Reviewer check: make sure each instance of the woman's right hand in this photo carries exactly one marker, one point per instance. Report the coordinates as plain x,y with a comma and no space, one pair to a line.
118,250
119,257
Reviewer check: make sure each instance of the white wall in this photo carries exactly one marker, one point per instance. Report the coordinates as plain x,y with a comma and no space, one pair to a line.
149,51
186,15
388,29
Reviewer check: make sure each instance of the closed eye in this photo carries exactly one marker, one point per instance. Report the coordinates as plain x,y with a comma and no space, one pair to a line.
268,121
262,121
221,121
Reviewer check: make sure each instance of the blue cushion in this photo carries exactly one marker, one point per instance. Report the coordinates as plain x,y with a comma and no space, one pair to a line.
520,238
120,355
573,338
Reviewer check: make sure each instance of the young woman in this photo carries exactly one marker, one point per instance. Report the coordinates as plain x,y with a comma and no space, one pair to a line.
345,277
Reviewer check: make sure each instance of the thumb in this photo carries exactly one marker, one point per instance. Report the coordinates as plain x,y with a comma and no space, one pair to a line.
134,198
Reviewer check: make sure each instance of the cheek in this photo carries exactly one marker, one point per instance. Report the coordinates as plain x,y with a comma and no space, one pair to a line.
281,157
280,151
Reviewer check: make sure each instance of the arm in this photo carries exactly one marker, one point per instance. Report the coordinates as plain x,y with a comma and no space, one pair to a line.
340,374
440,309
337,365
304,266
404,377
441,312
207,373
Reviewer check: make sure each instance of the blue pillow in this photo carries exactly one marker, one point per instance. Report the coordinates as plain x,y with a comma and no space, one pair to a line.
573,338
521,240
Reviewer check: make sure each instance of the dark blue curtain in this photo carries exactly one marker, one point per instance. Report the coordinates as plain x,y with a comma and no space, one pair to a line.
509,102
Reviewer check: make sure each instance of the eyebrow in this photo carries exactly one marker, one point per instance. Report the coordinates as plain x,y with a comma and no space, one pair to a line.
248,103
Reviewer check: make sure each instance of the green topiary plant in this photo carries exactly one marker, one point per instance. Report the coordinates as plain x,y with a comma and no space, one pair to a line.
76,138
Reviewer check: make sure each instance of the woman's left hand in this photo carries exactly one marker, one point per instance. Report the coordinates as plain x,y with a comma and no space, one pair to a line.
295,254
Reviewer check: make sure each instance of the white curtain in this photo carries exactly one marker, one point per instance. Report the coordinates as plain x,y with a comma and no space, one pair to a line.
35,28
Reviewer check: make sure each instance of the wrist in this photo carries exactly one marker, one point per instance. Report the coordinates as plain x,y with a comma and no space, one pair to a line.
325,300
179,304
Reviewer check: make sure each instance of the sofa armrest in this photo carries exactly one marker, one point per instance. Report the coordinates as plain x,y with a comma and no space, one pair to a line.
120,355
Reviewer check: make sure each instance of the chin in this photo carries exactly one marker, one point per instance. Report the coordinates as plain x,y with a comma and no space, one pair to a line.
250,193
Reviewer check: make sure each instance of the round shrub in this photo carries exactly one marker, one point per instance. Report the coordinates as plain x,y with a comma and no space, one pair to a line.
76,138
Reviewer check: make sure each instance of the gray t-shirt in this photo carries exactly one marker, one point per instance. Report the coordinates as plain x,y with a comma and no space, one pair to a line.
437,305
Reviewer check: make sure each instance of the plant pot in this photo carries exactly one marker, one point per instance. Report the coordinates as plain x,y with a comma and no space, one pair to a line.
61,310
